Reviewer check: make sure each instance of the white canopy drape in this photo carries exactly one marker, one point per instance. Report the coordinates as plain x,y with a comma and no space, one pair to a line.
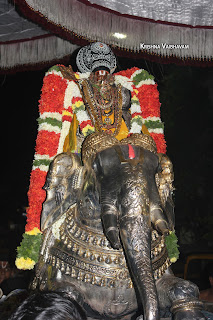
179,31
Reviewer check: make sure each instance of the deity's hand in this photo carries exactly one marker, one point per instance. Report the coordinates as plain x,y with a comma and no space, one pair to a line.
159,219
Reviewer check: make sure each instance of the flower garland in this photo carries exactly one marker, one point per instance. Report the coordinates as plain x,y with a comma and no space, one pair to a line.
28,252
60,100
50,123
135,109
83,118
145,102
51,106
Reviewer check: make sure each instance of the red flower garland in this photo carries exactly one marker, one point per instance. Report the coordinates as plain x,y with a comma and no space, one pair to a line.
149,100
52,98
127,73
160,141
36,196
137,114
47,143
76,99
148,97
85,123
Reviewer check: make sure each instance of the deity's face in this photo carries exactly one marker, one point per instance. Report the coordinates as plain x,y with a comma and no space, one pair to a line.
101,75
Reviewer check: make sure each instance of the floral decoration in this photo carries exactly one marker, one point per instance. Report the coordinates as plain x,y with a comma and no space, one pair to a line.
145,104
28,252
25,264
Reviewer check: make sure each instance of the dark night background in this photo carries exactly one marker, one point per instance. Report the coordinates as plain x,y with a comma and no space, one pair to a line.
186,94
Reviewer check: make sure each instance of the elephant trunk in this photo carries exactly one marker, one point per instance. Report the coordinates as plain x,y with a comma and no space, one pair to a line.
135,234
136,239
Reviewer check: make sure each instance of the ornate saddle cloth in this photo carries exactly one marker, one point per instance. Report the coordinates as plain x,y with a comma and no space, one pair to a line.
85,254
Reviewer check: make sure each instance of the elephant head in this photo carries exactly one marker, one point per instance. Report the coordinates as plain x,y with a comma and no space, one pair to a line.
127,175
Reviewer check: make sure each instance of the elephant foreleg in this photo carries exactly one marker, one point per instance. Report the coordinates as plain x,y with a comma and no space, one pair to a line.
181,296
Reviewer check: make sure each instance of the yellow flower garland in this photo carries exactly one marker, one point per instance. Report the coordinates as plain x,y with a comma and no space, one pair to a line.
33,232
24,264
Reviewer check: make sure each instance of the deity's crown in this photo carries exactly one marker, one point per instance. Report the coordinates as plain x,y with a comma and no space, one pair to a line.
95,55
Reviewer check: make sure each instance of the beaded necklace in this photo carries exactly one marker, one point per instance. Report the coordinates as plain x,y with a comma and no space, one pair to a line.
102,101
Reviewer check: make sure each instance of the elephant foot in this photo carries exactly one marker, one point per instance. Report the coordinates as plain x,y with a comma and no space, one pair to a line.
189,315
187,310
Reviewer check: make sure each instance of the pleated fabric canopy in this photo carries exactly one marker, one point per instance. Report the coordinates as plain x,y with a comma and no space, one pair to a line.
35,32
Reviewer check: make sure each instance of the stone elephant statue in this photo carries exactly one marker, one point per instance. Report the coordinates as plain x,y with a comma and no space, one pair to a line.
105,224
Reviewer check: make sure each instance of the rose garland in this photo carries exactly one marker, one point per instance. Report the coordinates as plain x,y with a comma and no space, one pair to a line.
60,100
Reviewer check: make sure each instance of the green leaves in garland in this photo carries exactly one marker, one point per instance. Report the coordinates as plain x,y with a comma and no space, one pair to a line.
172,246
143,75
30,247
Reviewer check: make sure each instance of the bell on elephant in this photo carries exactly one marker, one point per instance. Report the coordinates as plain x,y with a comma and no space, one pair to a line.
108,217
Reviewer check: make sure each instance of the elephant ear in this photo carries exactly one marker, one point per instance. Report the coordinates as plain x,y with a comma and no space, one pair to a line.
164,180
59,185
